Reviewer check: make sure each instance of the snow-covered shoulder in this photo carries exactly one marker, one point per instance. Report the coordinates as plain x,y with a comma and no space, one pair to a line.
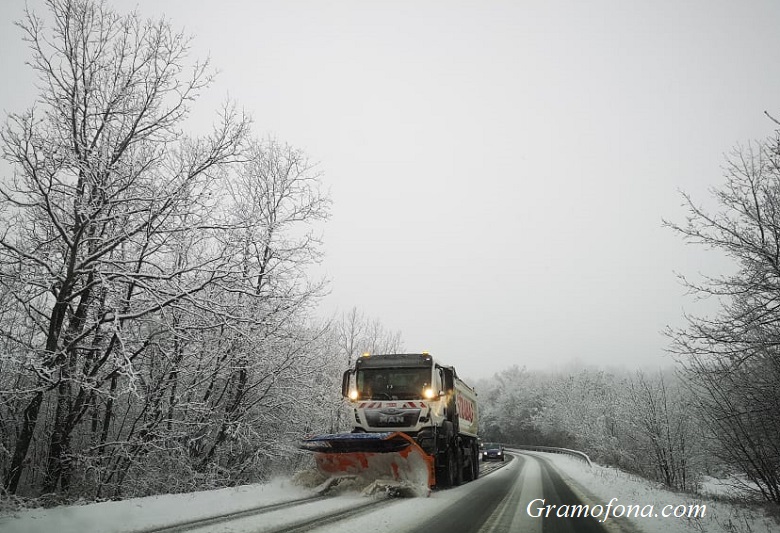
605,483
136,514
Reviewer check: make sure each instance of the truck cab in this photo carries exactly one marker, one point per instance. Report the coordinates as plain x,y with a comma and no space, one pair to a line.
413,394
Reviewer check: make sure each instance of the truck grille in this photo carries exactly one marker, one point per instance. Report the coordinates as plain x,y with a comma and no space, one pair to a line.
392,418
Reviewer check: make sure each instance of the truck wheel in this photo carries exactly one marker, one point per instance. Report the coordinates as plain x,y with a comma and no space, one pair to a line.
474,461
427,442
458,466
444,471
468,471
468,466
445,474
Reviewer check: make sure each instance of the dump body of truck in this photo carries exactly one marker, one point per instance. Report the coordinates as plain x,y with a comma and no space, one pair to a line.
413,418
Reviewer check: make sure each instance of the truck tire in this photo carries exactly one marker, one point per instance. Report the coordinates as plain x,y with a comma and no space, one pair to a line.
468,463
471,466
427,441
458,465
446,474
474,460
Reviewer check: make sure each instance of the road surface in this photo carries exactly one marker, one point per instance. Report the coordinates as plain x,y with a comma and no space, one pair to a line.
497,502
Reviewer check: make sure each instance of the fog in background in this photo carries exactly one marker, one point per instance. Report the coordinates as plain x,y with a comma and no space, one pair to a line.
499,170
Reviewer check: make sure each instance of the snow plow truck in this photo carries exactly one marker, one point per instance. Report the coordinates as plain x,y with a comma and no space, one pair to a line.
415,422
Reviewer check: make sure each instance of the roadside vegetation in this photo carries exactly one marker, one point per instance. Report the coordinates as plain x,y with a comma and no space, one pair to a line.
158,316
716,412
157,324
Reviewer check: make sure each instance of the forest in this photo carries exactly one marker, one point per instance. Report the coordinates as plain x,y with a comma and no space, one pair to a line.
159,325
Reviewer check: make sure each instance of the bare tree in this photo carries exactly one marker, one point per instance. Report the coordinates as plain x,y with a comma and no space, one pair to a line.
581,408
732,360
661,433
352,334
358,334
349,331
272,207
509,405
103,178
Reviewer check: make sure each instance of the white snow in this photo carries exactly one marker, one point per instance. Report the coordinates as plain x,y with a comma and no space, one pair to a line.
600,484
409,513
137,514
153,511
597,485
286,517
733,487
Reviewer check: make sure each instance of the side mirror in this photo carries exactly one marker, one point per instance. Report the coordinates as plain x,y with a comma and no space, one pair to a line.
449,379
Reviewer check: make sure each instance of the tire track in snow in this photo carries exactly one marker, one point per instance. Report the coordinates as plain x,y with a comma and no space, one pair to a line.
509,514
227,521
227,517
332,517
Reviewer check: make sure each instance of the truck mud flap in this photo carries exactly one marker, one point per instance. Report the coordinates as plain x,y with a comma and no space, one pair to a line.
372,456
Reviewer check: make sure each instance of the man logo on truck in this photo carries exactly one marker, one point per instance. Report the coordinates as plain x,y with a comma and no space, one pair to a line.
391,419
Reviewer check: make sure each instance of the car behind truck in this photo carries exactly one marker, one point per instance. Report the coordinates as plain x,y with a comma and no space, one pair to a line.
414,421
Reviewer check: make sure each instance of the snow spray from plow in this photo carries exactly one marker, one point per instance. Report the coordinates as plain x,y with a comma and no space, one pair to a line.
393,460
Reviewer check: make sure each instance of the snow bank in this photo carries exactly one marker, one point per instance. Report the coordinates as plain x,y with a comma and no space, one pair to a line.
137,514
605,483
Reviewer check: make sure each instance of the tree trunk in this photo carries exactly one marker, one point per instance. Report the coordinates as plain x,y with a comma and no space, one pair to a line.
23,442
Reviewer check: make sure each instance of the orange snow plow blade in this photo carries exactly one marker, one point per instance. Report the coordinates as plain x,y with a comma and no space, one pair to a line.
372,456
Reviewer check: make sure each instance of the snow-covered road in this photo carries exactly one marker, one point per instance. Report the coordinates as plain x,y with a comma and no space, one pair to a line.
496,502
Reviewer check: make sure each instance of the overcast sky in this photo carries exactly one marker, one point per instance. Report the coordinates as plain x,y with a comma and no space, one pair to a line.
499,170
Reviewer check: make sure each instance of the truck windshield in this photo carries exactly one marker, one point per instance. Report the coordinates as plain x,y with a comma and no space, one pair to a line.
392,383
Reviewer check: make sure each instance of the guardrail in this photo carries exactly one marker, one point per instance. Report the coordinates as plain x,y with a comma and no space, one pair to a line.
552,449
